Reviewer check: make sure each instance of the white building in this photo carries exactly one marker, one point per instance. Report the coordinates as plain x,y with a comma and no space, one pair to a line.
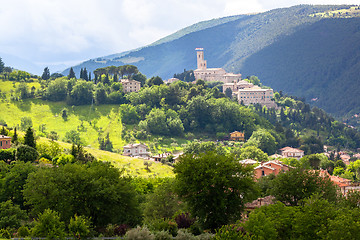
256,95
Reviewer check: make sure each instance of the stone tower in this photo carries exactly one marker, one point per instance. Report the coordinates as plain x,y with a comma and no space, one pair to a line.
201,63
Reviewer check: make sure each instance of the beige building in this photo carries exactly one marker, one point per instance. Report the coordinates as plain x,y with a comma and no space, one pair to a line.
256,95
212,74
130,85
136,150
289,152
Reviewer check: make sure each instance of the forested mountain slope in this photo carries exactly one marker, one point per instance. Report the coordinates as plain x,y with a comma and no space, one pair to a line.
310,51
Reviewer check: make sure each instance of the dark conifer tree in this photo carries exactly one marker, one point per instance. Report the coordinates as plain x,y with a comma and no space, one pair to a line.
15,137
81,73
2,65
3,131
46,74
89,76
29,138
85,74
71,73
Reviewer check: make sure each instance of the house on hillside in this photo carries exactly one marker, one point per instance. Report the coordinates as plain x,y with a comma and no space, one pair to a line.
237,136
136,150
271,167
5,142
130,85
289,152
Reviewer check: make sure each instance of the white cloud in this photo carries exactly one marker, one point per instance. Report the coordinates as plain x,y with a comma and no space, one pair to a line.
71,30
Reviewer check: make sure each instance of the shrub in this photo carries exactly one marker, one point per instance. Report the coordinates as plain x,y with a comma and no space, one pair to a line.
164,225
184,220
185,235
139,233
23,232
163,235
231,232
206,236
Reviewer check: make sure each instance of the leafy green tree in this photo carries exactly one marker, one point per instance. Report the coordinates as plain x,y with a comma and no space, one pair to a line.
264,140
11,215
48,225
163,203
100,94
26,154
23,90
12,183
154,81
94,190
82,93
298,184
25,123
214,186
73,137
254,153
46,74
29,138
57,90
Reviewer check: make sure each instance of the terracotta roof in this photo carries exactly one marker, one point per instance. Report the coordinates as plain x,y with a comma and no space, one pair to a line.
290,149
248,161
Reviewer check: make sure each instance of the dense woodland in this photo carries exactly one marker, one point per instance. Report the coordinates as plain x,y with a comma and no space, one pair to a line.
53,192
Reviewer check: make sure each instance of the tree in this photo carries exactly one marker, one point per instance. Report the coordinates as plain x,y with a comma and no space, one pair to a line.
2,65
71,73
46,74
26,122
94,190
11,215
29,138
73,137
57,90
262,139
82,93
49,225
163,202
215,187
254,153
298,184
23,90
154,81
26,154
228,93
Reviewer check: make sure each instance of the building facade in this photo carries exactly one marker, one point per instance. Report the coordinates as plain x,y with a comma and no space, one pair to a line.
212,74
136,150
289,152
5,142
130,85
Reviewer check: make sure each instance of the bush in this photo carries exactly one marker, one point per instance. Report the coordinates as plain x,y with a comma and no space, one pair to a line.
164,225
206,236
184,220
231,232
185,235
26,154
23,232
139,233
163,235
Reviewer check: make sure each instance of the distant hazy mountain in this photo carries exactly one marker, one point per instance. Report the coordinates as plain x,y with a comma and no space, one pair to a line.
307,51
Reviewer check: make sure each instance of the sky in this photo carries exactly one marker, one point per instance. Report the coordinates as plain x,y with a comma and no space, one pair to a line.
60,33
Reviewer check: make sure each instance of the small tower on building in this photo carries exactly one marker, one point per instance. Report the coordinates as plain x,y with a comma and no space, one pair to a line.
201,63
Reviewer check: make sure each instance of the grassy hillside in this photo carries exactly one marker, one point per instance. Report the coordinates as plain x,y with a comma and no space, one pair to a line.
310,44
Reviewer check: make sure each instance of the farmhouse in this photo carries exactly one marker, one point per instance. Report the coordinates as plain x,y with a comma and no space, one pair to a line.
271,167
130,85
136,150
237,136
5,142
289,152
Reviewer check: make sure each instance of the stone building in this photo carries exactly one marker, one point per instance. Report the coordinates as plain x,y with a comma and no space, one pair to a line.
130,85
212,74
255,95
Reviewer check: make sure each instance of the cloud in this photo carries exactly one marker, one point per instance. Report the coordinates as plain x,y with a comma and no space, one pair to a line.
74,30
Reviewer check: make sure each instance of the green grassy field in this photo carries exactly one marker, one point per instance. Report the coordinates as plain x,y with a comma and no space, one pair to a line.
90,121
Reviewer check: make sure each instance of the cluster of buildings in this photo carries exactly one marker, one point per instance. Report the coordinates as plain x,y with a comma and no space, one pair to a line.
245,92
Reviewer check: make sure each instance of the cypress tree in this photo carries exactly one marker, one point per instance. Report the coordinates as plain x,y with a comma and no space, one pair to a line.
71,73
15,137
2,65
81,73
3,131
29,138
89,76
85,75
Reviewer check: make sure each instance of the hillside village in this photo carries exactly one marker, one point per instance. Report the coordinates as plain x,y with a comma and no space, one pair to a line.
219,124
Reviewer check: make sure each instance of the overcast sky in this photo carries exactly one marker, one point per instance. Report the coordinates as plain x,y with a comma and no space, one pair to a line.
70,31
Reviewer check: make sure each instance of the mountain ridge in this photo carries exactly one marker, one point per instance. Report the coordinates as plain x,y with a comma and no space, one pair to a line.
234,43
